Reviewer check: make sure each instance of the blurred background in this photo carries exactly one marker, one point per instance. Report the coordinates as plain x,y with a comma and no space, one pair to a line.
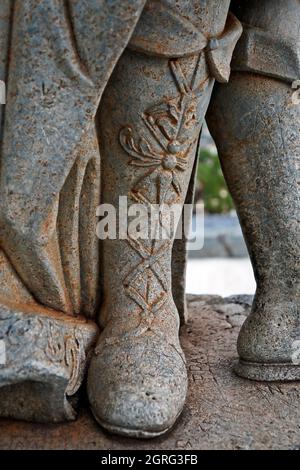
222,266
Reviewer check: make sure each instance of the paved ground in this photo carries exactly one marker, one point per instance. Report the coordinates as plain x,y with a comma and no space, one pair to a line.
222,410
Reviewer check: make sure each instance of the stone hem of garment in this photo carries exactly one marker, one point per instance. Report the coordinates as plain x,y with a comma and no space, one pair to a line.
260,52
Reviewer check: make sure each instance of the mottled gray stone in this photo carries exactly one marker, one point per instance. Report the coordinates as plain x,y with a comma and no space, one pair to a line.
50,163
61,56
270,41
45,356
133,79
222,411
155,102
259,147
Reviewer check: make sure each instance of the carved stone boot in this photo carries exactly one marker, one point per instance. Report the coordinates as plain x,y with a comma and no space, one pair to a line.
259,146
150,118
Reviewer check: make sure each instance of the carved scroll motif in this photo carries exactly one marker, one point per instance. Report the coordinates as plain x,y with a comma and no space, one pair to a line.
67,349
59,345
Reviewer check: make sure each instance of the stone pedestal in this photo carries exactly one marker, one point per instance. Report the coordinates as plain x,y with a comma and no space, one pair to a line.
223,411
43,359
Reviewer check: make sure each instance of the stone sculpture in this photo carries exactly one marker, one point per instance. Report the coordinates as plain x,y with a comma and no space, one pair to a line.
259,147
107,98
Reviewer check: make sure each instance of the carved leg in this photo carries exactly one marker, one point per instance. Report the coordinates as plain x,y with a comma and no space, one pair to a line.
150,119
148,135
259,147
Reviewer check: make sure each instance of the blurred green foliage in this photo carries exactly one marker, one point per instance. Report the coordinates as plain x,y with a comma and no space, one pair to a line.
212,188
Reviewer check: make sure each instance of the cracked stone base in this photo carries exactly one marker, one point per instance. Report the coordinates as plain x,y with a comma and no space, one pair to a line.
44,359
267,372
222,410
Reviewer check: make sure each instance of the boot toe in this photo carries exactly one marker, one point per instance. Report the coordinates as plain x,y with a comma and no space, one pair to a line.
138,390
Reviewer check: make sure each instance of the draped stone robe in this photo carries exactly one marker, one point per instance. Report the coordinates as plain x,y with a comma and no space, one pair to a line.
56,58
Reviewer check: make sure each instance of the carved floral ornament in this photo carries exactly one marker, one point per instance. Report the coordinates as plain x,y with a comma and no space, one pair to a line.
167,124
164,153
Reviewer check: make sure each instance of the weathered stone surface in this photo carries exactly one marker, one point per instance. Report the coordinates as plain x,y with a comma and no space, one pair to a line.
137,378
45,355
70,61
62,54
222,411
259,147
66,57
270,42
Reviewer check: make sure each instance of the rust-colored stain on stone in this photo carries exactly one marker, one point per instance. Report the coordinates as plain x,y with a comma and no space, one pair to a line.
107,99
